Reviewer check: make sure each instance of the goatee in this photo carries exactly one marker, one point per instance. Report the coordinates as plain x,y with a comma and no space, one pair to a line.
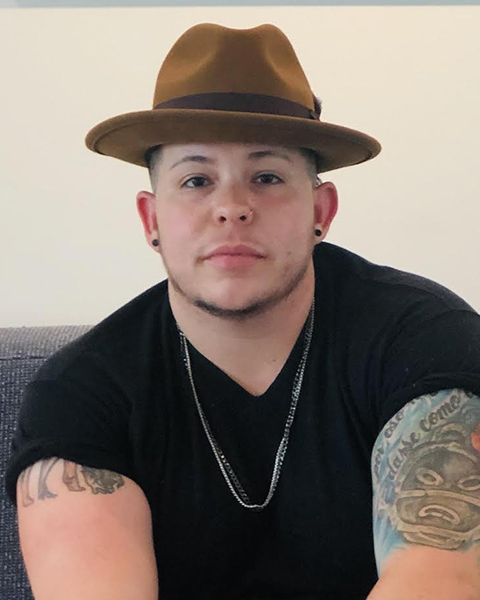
256,307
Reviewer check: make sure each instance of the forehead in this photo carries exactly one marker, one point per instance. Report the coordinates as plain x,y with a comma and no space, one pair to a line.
174,152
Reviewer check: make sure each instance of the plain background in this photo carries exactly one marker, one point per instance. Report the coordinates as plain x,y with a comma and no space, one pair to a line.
71,244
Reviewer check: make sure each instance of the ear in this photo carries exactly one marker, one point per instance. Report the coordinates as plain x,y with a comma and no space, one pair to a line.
325,198
146,207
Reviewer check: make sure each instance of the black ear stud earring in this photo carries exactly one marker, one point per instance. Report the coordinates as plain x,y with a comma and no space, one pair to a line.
155,242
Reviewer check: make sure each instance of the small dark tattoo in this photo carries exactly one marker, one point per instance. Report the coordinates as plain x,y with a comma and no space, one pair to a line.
45,468
102,482
98,481
70,477
24,480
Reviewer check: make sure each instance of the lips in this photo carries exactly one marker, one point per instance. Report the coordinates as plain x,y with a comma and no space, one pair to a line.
234,258
238,250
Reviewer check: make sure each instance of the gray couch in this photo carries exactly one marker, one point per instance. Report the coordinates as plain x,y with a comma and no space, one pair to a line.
22,351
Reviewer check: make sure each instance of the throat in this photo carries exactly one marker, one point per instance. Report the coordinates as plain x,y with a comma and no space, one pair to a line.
255,369
257,381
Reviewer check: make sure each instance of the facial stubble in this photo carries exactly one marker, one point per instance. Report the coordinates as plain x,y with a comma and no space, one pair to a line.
255,307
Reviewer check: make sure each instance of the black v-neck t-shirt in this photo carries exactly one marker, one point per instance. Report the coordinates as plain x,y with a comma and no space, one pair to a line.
119,398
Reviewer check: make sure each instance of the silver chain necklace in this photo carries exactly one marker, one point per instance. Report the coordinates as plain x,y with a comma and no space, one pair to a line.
228,473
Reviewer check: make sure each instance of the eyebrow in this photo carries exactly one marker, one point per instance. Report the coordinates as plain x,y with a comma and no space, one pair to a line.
252,156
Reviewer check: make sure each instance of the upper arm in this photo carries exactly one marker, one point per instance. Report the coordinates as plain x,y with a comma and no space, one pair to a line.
426,482
85,533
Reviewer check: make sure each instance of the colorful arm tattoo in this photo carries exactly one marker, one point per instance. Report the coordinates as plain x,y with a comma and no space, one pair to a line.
426,475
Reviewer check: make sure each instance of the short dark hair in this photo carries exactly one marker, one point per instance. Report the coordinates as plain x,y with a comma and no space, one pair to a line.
313,163
153,156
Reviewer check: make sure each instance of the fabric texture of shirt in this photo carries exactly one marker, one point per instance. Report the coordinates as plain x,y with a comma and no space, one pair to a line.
119,398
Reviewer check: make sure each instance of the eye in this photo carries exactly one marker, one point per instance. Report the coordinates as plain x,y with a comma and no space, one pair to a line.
268,178
429,477
194,182
469,484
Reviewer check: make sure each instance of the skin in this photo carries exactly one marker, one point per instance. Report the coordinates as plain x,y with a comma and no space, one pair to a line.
244,318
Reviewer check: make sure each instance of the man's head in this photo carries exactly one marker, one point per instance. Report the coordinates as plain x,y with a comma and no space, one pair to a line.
216,198
233,113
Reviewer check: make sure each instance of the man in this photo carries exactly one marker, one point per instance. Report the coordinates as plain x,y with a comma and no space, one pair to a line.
221,434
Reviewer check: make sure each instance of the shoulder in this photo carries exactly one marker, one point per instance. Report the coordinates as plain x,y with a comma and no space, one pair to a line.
361,283
395,335
122,335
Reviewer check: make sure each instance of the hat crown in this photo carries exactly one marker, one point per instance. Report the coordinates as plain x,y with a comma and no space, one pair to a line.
211,58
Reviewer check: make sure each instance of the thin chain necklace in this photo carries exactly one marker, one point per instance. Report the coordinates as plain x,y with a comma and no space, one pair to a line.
228,473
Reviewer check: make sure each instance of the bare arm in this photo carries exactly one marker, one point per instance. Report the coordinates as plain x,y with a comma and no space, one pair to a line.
85,534
426,509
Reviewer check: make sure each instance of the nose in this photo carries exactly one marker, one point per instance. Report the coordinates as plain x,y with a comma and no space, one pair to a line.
233,206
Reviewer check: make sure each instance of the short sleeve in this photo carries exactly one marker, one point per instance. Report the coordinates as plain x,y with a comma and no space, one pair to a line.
427,355
76,412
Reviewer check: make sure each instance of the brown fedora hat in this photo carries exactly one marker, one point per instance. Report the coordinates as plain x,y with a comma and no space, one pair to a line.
219,84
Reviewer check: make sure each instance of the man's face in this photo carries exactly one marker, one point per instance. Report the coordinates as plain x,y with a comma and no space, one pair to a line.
212,198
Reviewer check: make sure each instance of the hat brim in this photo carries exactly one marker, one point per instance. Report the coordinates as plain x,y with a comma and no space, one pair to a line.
129,136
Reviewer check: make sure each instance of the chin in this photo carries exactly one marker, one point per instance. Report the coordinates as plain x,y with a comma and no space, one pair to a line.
238,299
233,310
239,304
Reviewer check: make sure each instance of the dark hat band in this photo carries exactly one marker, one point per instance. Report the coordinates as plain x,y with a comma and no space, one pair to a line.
238,102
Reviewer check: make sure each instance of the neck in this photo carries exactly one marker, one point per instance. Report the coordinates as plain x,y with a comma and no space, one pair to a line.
252,350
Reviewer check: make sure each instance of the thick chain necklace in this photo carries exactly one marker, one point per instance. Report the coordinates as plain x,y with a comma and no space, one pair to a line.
228,473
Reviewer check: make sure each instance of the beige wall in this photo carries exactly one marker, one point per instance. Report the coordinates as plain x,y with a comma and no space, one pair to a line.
71,245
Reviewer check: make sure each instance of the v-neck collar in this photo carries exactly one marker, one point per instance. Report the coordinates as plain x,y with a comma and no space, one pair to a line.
209,374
